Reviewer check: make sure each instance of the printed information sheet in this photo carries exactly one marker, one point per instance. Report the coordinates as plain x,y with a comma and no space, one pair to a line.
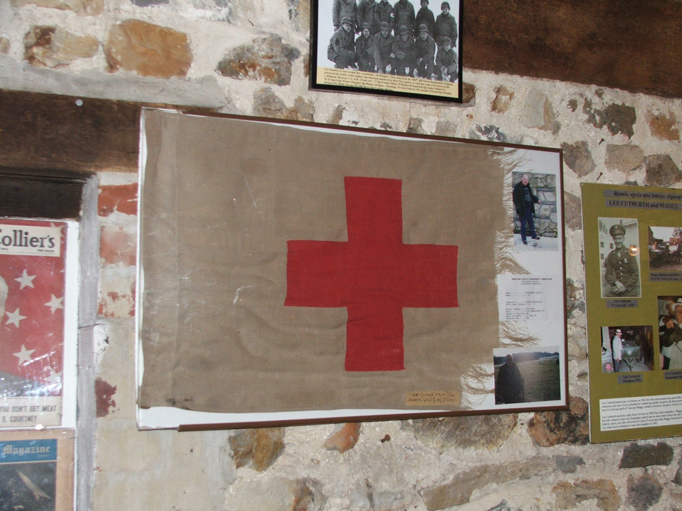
640,412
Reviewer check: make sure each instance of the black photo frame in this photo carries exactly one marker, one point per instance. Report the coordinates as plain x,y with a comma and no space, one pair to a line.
368,67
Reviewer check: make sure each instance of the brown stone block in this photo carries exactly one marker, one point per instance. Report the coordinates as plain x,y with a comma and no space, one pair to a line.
617,118
661,170
267,104
578,158
257,448
478,431
553,428
458,491
503,99
343,437
572,211
635,455
54,47
663,127
148,50
643,492
267,58
624,158
603,491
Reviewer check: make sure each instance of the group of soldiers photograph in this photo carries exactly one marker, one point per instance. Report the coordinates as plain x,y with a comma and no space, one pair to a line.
394,40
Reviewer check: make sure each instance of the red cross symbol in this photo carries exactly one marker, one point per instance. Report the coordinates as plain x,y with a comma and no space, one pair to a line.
374,275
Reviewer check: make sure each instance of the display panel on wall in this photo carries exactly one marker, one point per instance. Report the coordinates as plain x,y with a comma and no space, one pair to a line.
38,305
633,265
294,273
396,49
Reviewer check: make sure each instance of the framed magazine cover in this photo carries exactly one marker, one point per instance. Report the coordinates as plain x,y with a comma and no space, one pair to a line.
390,48
37,470
38,304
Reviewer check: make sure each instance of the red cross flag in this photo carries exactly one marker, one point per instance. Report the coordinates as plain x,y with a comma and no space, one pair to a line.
32,255
373,275
289,268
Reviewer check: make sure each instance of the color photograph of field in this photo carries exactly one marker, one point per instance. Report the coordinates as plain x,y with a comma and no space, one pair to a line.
538,377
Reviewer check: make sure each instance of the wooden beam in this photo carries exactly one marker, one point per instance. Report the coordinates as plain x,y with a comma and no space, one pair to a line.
47,131
621,44
55,132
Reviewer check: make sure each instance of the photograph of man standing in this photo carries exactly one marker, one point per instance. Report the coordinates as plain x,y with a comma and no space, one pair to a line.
524,203
617,349
621,269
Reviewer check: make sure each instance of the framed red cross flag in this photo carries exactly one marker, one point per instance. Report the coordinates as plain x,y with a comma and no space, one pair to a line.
294,272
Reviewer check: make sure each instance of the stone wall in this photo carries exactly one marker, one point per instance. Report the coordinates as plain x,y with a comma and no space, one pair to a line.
250,58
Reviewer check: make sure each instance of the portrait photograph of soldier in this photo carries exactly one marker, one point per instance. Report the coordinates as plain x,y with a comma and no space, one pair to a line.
619,257
527,376
372,38
670,331
627,349
535,211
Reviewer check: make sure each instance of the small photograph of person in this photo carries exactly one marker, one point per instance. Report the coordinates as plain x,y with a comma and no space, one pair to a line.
619,257
402,52
665,249
446,61
383,44
627,349
341,49
345,9
366,14
535,210
364,49
403,13
527,376
425,17
425,54
670,331
446,25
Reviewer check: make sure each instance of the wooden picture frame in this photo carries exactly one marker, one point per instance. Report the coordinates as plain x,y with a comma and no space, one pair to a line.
240,320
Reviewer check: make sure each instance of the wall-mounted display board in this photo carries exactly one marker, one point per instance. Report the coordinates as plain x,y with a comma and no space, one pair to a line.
38,306
633,265
380,47
295,273
37,470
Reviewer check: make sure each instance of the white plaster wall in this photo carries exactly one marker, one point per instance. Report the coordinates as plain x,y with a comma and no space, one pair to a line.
164,470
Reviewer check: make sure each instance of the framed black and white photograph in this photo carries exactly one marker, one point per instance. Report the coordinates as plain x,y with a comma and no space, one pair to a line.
619,257
401,48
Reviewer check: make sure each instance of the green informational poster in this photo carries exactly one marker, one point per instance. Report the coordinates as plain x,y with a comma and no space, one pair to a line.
633,266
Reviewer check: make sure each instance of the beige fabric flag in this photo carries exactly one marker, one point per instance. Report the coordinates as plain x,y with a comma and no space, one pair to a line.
234,214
